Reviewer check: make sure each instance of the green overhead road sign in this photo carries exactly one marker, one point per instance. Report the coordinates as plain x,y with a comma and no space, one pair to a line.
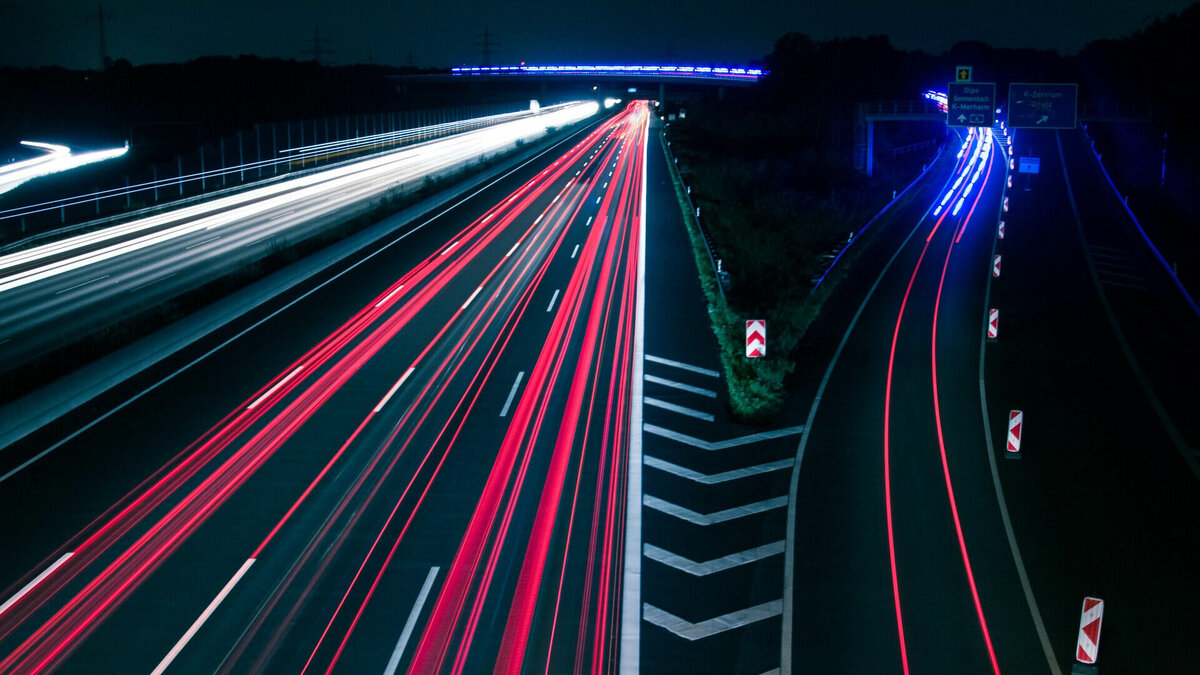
970,104
1037,105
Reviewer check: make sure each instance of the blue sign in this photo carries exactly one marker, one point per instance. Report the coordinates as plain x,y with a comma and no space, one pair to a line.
1041,105
970,104
1029,165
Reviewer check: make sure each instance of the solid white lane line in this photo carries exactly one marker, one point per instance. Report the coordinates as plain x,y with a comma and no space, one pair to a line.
553,298
91,281
512,250
411,623
212,607
717,478
274,389
288,213
511,393
678,409
682,366
684,513
388,396
654,379
695,631
631,591
472,297
574,251
201,243
589,221
698,569
389,295
36,580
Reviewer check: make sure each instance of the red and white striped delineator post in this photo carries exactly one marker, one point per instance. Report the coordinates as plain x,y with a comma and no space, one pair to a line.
1088,644
756,338
996,266
1016,425
1006,204
993,324
1000,231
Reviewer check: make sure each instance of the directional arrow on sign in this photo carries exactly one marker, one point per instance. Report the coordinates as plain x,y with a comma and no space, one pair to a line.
1043,119
962,118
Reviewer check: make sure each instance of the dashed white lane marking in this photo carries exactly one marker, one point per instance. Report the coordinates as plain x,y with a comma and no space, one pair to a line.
36,580
89,281
212,607
574,251
553,298
274,389
472,297
411,623
389,295
201,243
511,393
387,397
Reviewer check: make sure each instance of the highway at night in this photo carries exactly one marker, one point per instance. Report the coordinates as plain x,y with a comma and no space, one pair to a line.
663,386
441,433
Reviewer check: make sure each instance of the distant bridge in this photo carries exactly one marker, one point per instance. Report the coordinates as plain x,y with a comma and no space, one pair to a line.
721,74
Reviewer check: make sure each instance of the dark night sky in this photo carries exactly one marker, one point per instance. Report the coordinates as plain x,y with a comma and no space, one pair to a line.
41,32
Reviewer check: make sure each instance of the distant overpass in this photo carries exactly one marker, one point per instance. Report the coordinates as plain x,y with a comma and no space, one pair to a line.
722,74
684,81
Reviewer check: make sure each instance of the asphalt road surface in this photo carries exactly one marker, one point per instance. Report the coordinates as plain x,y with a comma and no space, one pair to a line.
419,467
50,293
918,546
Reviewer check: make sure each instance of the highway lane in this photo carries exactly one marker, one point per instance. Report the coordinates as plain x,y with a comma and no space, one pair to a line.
1101,502
901,559
50,293
1104,502
405,399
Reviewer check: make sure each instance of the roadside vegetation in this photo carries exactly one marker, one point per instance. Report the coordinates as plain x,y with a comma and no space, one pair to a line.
771,171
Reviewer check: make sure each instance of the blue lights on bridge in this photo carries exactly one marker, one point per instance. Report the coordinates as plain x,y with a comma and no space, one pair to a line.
700,72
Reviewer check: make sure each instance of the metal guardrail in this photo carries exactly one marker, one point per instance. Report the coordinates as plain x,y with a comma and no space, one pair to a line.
833,263
719,274
1124,200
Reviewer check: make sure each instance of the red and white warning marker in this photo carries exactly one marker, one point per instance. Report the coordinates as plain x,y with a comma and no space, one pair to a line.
1006,204
1016,425
756,338
993,324
1089,630
1000,230
996,266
